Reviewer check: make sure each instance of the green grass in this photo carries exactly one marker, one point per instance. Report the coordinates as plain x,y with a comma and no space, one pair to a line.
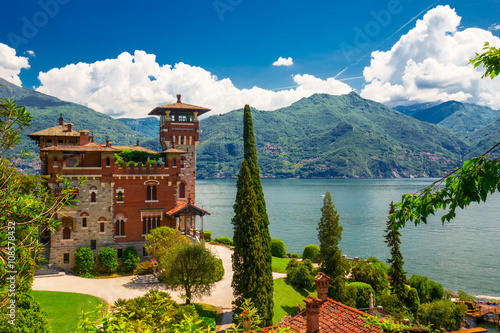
279,264
286,298
64,309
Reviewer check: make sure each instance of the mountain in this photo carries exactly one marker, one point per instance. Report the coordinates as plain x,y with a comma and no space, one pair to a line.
485,138
461,118
326,136
147,126
46,109
409,110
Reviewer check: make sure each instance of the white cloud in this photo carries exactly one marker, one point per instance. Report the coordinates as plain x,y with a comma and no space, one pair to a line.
430,63
132,85
494,27
31,53
283,61
11,65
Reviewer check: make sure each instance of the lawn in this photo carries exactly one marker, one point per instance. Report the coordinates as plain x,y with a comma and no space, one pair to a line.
64,309
286,298
279,264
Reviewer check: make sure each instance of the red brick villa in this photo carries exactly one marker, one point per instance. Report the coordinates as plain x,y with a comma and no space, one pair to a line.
120,204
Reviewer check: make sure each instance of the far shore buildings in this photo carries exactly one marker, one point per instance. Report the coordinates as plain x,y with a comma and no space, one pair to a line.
120,203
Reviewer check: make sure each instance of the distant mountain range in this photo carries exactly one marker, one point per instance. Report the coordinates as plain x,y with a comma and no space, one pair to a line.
46,109
325,136
322,136
461,118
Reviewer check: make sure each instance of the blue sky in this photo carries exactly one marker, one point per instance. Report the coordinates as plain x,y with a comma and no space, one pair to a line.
124,57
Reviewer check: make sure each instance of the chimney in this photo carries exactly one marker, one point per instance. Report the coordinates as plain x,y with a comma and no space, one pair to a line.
312,314
84,138
92,136
137,142
179,98
60,120
107,141
322,282
69,127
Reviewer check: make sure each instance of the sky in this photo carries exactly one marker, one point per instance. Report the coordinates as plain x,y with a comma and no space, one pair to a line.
123,58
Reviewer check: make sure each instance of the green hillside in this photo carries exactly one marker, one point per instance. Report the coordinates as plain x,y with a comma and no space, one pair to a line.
330,136
483,139
148,126
462,118
46,109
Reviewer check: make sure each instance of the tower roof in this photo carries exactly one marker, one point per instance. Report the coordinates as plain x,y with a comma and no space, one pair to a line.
178,106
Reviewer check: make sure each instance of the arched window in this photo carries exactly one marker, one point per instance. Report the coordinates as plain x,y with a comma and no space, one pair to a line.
108,161
55,161
120,228
120,196
182,190
66,233
93,197
174,163
151,192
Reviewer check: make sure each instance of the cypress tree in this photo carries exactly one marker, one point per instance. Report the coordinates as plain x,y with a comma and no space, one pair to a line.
330,235
398,275
252,278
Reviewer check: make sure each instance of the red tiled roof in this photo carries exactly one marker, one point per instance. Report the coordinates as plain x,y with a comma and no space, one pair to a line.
91,146
59,130
136,148
174,151
333,317
159,110
182,206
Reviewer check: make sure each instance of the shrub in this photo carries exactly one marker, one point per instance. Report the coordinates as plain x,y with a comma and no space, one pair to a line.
311,252
295,256
107,258
300,274
359,293
428,290
278,248
207,236
375,274
84,261
144,268
412,301
442,314
30,317
130,259
220,270
224,240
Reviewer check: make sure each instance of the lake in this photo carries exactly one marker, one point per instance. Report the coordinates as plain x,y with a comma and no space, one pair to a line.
463,254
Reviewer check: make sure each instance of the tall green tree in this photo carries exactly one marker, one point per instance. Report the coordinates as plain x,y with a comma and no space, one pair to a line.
396,271
26,206
330,235
252,278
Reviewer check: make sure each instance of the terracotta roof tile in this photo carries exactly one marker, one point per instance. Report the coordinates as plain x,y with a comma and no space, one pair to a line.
179,106
174,150
91,146
182,206
333,317
58,130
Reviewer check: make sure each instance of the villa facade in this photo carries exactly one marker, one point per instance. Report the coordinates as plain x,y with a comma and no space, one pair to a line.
118,204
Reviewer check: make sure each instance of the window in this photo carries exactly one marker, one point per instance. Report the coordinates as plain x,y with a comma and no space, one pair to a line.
182,140
120,196
182,164
93,244
101,227
182,190
55,161
93,197
120,228
144,252
151,193
66,233
182,117
84,222
119,253
149,223
60,141
108,161
174,163
66,258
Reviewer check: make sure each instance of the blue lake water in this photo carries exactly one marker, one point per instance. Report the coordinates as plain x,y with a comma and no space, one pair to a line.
463,254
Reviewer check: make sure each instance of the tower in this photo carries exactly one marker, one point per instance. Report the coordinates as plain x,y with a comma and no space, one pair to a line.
179,136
